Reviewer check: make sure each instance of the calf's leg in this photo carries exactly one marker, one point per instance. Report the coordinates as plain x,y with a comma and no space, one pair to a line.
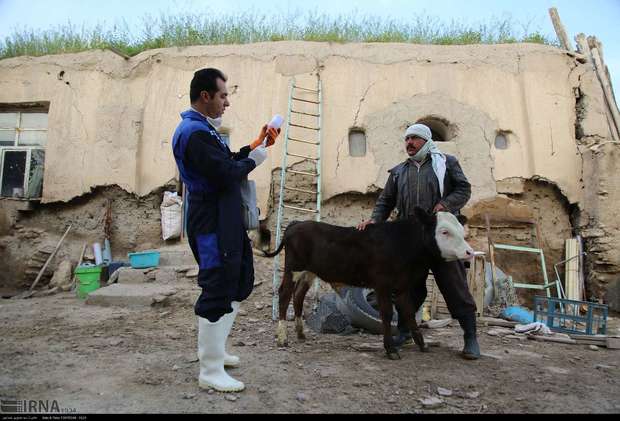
284,297
302,287
404,304
385,309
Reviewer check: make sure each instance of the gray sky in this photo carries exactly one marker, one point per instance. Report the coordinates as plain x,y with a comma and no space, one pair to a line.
595,17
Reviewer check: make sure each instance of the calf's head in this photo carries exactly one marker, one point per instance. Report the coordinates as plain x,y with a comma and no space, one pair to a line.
449,234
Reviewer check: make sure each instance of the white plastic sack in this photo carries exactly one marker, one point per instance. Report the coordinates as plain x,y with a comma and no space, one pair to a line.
249,210
171,215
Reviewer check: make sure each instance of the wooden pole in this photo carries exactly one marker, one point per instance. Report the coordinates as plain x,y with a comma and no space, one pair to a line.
582,46
595,43
49,259
559,30
611,104
78,265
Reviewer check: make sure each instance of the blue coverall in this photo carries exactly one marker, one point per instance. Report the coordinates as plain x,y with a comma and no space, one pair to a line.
217,237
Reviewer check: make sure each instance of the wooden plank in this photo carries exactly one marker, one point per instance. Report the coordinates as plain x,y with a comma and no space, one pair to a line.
582,282
579,336
559,29
552,339
492,321
491,251
475,282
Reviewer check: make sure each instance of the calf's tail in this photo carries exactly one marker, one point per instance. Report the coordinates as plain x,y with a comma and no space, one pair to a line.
273,253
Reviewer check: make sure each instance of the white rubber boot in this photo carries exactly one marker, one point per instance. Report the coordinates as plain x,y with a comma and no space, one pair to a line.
229,360
211,351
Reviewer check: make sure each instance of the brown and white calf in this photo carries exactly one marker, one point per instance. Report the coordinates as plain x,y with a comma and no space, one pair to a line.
384,256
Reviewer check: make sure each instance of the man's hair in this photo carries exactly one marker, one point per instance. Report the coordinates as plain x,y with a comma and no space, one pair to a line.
204,80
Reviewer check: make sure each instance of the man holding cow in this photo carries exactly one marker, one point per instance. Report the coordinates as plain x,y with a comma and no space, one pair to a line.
435,182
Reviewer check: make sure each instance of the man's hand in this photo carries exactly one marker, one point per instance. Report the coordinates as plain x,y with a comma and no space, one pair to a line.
261,136
439,207
364,224
270,133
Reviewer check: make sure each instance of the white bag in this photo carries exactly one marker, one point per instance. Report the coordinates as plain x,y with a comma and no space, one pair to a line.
249,210
171,215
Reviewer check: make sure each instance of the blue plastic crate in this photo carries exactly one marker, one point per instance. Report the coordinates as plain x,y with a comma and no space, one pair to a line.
144,259
568,316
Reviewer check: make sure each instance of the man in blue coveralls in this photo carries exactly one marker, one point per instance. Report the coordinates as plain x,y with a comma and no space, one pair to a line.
215,230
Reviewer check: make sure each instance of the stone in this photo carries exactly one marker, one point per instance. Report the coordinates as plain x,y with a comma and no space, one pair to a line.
127,275
231,398
558,370
472,395
444,392
499,332
62,276
368,347
593,347
436,324
604,367
327,318
129,295
431,402
115,342
301,397
165,276
188,395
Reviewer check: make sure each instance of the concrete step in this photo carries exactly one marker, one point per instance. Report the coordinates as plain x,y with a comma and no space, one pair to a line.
130,295
178,255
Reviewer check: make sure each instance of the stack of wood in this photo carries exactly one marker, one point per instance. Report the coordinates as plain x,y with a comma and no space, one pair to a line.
574,282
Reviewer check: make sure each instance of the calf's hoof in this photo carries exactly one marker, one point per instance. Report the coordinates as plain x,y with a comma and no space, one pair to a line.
424,348
281,335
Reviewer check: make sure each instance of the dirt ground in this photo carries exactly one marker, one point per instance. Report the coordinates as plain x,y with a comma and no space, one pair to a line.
94,359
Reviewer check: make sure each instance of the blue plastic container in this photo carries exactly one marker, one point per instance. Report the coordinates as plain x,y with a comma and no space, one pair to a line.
144,259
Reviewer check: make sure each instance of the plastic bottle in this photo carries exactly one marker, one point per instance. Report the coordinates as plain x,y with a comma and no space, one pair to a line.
97,253
107,252
275,123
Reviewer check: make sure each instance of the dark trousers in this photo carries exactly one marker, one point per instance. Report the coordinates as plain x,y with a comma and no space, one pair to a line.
451,279
223,276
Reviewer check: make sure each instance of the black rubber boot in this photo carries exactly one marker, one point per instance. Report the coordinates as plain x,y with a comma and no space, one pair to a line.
404,338
471,350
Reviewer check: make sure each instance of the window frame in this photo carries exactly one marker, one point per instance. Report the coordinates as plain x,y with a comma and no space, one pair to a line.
17,147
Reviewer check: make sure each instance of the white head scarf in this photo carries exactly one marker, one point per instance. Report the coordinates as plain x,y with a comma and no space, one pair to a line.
438,159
